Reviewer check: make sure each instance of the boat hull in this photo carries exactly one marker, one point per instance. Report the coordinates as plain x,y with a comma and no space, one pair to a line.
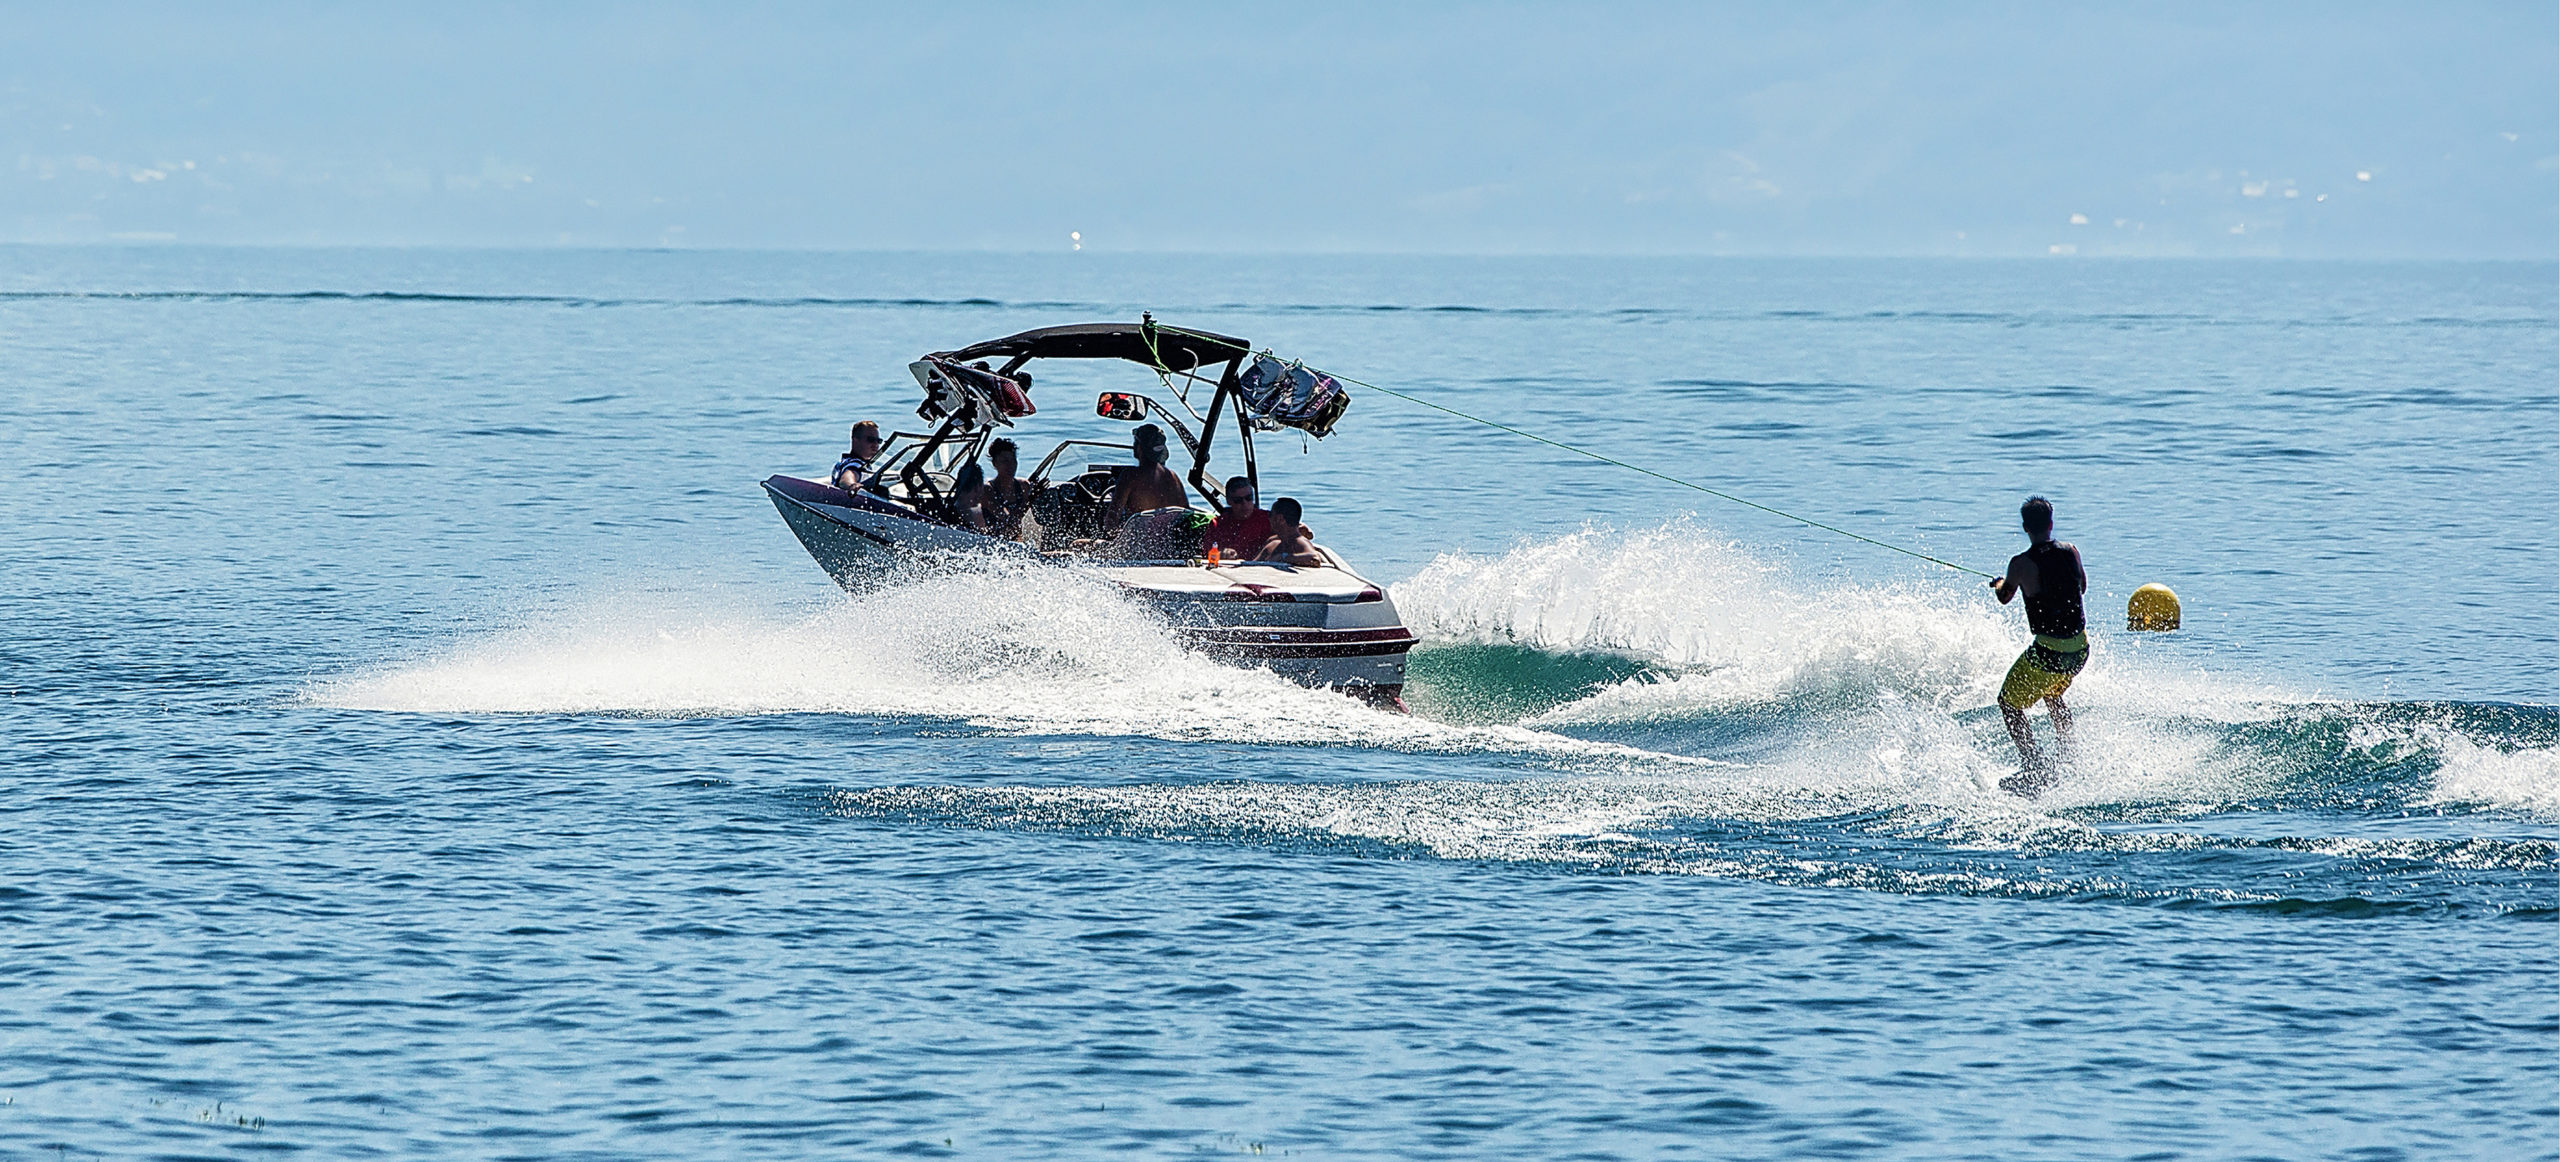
1325,627
864,542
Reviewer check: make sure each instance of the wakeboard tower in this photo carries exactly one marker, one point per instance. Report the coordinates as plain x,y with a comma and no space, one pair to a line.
1322,625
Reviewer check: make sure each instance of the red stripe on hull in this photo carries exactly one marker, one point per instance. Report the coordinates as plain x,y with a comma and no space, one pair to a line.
1392,641
1255,635
1287,650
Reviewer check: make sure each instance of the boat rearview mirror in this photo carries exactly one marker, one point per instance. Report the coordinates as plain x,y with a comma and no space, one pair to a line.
1120,405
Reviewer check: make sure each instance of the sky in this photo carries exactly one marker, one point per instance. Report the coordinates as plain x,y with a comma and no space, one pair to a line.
2316,130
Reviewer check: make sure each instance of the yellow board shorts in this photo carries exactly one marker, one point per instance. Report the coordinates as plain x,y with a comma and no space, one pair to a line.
2044,671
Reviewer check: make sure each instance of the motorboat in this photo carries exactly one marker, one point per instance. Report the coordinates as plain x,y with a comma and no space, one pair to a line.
1321,624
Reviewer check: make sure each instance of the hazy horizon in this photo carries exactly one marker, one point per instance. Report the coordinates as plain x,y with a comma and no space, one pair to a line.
1851,130
167,244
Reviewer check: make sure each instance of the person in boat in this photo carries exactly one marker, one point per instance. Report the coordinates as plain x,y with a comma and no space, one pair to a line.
853,469
1008,496
969,497
1239,532
2049,575
1150,485
1290,542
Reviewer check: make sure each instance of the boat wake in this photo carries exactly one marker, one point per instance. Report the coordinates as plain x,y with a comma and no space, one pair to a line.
1675,641
1708,825
1659,654
1730,628
1006,648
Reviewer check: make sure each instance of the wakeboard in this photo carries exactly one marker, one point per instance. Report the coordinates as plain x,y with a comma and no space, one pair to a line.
2028,783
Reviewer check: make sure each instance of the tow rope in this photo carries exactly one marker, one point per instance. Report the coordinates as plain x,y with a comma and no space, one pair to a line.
1665,477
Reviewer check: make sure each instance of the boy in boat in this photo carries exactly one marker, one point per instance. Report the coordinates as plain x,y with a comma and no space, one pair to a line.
2050,577
1150,485
1290,543
1239,532
853,469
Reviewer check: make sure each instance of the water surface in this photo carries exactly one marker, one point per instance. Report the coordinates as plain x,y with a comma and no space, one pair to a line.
427,740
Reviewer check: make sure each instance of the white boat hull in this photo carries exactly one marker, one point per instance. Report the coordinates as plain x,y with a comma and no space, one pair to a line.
1321,626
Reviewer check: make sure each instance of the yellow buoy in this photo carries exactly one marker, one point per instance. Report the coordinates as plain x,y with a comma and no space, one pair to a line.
2153,607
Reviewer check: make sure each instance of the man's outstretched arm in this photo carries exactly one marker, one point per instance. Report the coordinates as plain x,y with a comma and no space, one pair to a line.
2021,579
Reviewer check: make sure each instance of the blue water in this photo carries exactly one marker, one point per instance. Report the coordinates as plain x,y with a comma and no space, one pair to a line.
423,738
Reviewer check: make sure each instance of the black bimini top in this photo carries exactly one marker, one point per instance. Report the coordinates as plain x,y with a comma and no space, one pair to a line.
1177,350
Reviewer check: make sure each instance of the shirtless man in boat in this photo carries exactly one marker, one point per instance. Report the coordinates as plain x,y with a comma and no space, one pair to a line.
1150,485
1290,543
1008,496
2050,577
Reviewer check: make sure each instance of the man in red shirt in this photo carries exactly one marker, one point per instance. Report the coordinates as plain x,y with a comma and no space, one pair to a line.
1239,532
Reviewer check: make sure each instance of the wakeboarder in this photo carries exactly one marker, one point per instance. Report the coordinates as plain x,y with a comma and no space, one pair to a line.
2050,577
